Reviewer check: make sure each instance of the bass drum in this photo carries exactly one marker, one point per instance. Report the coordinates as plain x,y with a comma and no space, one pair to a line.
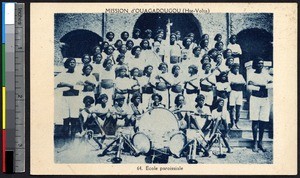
141,142
157,124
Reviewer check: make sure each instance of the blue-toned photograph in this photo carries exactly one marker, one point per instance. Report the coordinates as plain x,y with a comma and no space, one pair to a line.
167,88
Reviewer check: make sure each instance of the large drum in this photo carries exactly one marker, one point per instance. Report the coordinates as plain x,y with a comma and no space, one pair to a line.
159,125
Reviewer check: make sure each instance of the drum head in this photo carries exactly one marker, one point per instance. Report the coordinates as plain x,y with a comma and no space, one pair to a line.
141,143
177,142
157,124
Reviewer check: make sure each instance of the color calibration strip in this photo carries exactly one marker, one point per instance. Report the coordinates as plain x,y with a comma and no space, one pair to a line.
13,88
8,48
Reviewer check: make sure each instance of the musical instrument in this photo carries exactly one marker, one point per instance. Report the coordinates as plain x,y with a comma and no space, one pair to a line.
175,59
126,131
191,157
141,142
159,125
191,91
176,88
177,142
107,83
147,89
161,86
134,89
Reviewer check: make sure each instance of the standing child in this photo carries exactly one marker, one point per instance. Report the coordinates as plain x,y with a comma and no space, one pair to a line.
235,48
237,84
259,82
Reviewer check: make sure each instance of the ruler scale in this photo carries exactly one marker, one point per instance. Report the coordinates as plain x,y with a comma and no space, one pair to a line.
19,156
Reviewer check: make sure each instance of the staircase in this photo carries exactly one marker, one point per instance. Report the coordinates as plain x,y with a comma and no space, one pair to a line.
243,137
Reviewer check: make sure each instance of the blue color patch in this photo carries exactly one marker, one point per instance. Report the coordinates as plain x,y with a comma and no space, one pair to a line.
3,22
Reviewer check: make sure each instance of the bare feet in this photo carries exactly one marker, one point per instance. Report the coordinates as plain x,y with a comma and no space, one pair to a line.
229,150
255,149
261,147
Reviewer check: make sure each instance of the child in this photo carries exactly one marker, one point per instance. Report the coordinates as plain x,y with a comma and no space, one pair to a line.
129,45
203,111
88,82
237,84
235,48
218,37
122,82
191,85
110,38
222,90
259,82
207,81
136,36
219,117
85,59
124,36
89,121
120,116
163,83
156,102
175,50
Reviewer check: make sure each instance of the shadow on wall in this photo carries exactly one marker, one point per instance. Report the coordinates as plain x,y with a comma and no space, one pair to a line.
185,23
79,42
255,43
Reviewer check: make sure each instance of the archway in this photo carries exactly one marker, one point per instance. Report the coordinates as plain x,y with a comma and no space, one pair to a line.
185,23
254,43
79,42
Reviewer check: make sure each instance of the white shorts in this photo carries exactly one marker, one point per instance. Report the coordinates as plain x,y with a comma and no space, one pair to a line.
209,97
236,98
259,109
225,110
65,107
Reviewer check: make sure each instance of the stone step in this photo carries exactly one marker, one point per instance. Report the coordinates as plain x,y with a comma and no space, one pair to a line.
249,142
246,134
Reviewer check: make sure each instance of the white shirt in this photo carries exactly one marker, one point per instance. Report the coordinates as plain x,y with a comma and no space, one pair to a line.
238,78
91,78
123,83
69,78
235,48
205,110
211,77
262,78
108,74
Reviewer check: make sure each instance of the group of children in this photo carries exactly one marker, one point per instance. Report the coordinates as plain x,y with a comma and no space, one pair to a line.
126,77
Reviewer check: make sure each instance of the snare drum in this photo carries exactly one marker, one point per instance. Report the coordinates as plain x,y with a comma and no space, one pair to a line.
177,142
174,59
134,89
161,86
107,83
141,142
177,89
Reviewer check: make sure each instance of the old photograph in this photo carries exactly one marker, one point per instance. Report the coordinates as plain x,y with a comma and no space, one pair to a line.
163,87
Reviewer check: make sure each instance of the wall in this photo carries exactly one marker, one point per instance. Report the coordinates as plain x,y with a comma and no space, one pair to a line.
65,23
211,24
241,21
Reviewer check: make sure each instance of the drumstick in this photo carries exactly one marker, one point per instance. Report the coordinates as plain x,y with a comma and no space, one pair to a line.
177,111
